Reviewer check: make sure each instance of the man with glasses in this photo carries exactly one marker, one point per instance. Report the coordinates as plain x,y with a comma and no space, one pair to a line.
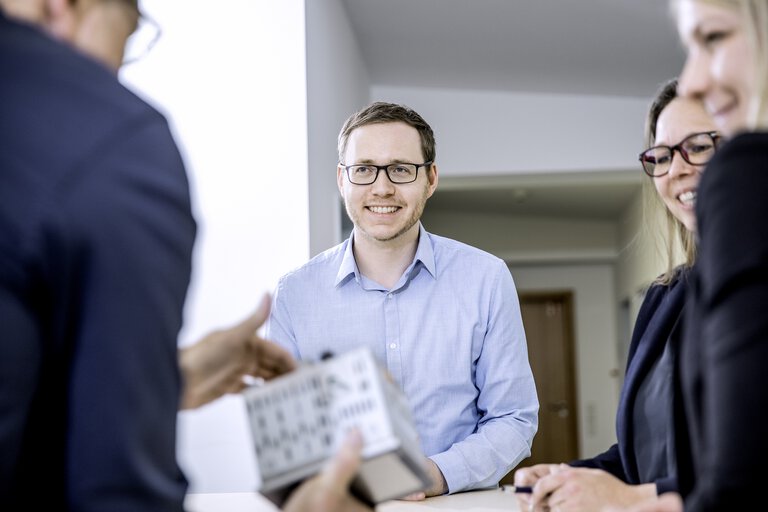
96,238
442,316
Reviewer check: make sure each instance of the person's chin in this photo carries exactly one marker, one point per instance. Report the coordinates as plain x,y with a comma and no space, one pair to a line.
689,221
730,122
388,234
378,233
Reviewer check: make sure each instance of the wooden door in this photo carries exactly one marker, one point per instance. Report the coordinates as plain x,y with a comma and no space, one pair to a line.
548,323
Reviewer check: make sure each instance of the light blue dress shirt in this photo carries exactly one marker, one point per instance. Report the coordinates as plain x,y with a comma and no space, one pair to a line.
449,332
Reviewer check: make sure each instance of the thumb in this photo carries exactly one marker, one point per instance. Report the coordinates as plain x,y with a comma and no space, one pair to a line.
251,324
340,470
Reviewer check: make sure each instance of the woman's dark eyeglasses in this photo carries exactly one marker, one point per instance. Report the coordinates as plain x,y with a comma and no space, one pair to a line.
696,149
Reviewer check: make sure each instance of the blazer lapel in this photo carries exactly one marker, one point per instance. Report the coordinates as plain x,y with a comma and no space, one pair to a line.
652,329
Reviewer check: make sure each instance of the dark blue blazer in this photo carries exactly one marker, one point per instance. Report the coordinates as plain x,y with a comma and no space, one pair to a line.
660,315
721,430
96,237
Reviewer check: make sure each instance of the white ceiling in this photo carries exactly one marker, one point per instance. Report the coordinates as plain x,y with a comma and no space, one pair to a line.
604,47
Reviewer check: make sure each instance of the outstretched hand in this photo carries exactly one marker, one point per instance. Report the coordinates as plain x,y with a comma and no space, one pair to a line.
217,364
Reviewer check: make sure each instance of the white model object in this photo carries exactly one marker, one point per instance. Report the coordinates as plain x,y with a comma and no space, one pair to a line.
298,421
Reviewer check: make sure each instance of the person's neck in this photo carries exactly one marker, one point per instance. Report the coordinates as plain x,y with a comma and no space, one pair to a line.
385,261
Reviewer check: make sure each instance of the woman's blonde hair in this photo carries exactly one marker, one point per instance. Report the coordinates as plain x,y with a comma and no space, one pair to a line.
757,12
675,230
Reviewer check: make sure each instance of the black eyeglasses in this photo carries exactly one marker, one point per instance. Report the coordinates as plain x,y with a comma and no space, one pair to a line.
399,173
696,149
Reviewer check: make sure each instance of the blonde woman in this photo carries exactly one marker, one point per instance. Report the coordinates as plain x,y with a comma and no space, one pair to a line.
680,139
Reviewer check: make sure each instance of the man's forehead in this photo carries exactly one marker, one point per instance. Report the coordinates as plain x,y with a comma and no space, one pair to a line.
384,142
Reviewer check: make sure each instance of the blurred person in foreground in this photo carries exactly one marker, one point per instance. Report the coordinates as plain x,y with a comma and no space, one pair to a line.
96,237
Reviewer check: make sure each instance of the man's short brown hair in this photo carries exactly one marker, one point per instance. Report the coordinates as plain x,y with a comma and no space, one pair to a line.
383,112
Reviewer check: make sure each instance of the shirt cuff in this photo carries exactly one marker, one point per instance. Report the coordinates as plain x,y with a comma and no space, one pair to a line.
454,470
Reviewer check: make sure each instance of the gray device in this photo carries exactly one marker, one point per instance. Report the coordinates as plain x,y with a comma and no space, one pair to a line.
298,421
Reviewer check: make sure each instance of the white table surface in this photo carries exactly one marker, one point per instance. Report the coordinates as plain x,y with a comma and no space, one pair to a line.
474,501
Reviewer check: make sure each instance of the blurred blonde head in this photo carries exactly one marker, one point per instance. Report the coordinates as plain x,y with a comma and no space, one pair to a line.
753,16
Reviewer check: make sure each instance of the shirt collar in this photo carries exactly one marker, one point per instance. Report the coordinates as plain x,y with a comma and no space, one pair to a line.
424,254
348,265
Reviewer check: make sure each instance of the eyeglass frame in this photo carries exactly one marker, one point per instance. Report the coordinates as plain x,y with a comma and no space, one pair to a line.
143,18
386,172
714,135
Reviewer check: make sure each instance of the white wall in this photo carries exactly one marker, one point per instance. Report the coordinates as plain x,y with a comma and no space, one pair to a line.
594,323
489,133
337,86
231,79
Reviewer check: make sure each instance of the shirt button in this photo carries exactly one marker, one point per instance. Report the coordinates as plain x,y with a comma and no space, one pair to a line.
393,346
389,295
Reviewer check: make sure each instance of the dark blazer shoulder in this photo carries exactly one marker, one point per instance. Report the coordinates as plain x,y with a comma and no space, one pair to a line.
62,98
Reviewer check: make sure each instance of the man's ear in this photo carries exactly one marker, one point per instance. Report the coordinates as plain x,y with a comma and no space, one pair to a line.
340,179
432,177
60,18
